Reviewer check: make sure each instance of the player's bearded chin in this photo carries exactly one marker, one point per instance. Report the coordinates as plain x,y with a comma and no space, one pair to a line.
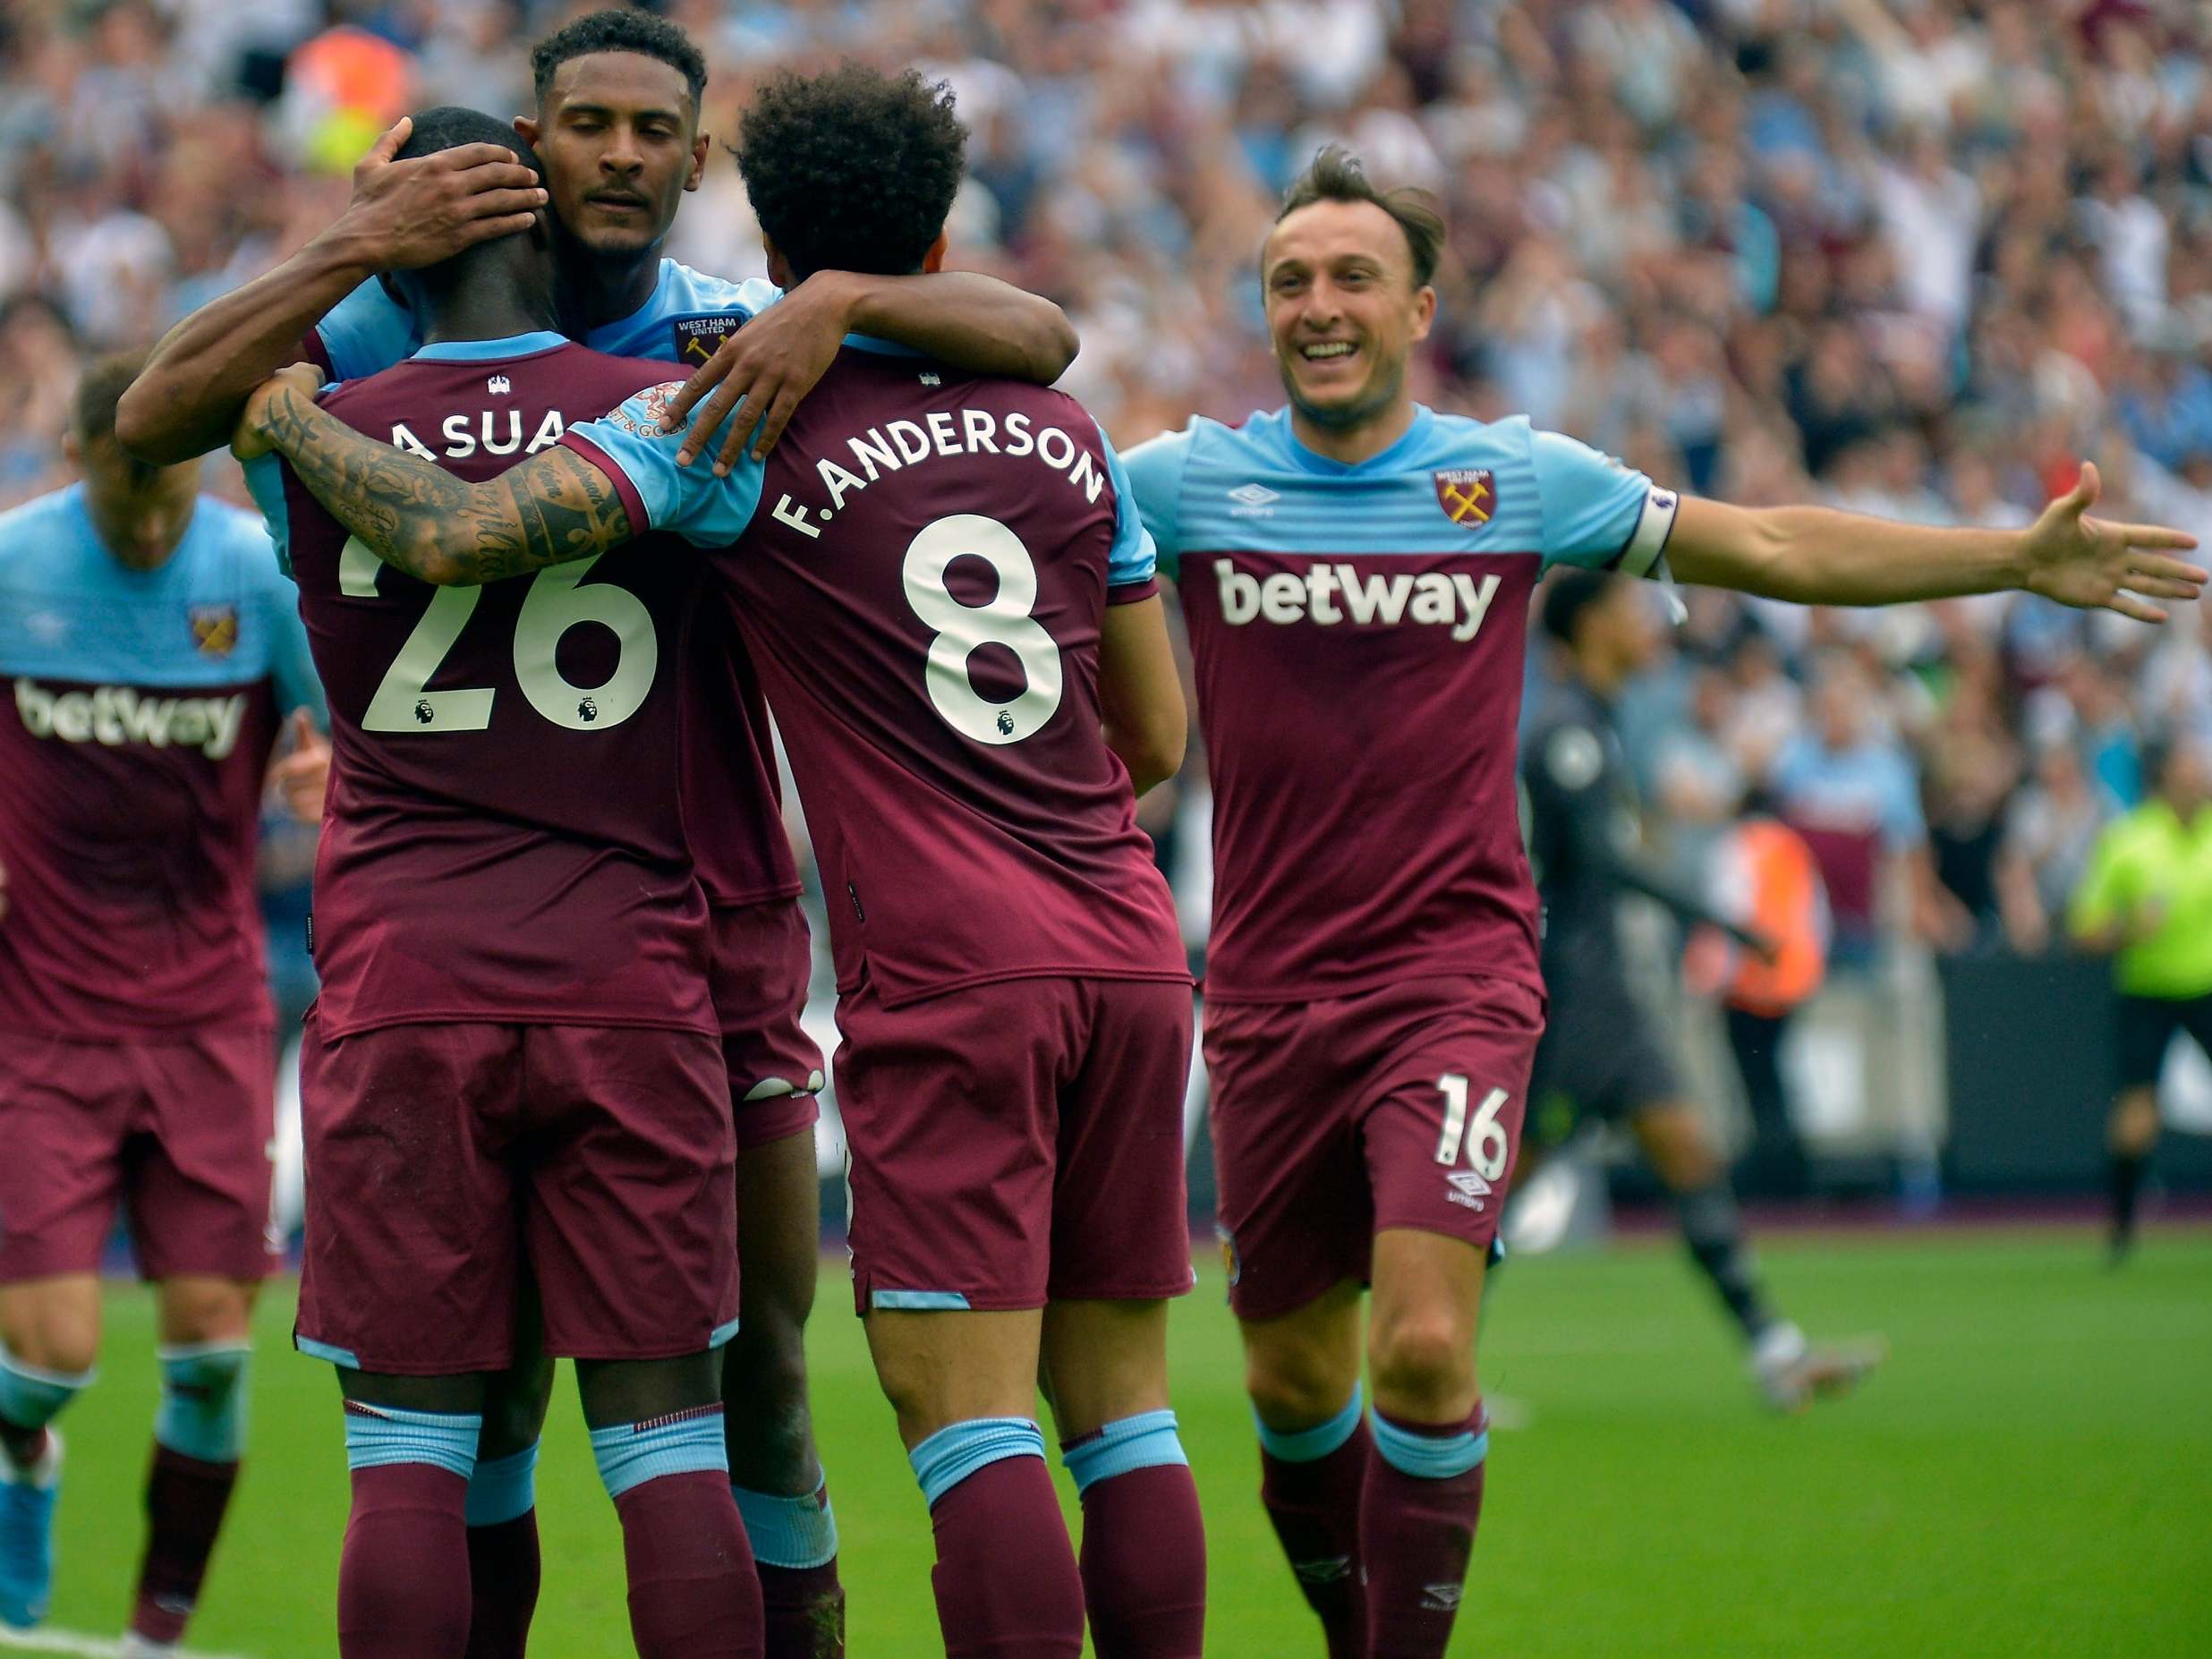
1358,410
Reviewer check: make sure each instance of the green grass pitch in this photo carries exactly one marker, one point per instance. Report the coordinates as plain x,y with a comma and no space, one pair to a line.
2031,1475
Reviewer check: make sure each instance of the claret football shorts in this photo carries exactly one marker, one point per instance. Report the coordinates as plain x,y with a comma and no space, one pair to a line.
1017,1143
177,1132
762,962
1334,1120
442,1160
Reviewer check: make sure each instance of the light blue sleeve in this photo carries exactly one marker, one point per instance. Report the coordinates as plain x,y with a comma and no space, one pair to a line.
689,501
1135,559
1904,824
1593,505
366,333
265,482
1155,469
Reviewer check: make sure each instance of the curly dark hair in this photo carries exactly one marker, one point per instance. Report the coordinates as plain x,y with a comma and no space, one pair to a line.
852,170
619,29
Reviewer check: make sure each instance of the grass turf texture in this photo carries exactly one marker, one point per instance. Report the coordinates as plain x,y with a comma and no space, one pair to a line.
2031,1475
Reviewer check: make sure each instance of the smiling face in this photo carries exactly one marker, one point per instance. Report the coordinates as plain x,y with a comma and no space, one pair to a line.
1343,310
618,134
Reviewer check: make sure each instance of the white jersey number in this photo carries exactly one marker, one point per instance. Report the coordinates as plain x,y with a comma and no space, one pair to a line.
961,629
1489,1148
555,604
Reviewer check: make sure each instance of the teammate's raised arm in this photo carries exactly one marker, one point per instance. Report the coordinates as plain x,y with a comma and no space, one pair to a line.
403,214
1815,555
551,510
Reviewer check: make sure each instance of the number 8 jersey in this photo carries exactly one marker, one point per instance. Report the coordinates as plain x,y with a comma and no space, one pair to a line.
920,571
503,839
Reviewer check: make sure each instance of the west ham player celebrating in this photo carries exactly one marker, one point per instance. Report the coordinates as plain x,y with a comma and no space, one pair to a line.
149,645
513,1071
1356,570
943,582
617,127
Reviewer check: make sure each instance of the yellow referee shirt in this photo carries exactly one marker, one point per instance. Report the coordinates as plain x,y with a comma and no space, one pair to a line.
2151,874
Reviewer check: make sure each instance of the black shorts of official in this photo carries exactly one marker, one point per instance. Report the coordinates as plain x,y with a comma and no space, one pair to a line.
2147,1024
1600,1055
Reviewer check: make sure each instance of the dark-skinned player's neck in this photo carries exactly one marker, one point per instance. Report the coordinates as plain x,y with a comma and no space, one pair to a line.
1359,439
486,313
600,289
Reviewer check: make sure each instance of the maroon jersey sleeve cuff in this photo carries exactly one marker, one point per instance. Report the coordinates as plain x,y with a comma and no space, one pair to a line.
634,504
1132,593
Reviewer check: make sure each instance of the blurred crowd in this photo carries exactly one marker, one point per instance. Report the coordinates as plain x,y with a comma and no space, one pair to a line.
1916,258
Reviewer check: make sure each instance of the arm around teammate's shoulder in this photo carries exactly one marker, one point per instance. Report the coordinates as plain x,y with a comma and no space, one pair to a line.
1816,556
555,508
1140,693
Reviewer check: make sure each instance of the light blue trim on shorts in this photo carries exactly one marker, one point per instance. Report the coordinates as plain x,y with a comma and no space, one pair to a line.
918,1301
313,1349
1312,1444
721,1334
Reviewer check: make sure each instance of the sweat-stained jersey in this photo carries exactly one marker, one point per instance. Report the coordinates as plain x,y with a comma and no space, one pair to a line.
140,709
504,839
920,570
1358,633
743,855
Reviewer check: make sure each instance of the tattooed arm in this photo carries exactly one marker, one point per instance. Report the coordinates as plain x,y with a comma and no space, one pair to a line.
552,509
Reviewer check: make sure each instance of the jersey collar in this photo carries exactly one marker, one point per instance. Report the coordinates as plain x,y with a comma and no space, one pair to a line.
492,351
1409,442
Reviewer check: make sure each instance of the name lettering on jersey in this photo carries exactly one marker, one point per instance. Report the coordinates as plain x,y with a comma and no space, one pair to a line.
1430,600
463,435
114,715
898,445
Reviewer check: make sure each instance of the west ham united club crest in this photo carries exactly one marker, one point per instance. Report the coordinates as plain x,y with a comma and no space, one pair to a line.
1468,496
215,628
696,337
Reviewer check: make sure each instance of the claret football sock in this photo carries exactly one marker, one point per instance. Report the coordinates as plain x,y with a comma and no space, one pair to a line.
1006,1579
502,1515
795,1548
1417,1516
1310,1482
692,1589
1712,1228
403,1574
199,1432
1144,1559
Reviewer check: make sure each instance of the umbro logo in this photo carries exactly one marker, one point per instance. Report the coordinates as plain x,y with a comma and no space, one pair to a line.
498,386
932,380
1252,499
1441,1598
1328,1570
1467,1188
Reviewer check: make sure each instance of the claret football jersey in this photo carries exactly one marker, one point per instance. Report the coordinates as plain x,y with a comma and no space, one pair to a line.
921,569
140,710
1358,633
731,808
504,838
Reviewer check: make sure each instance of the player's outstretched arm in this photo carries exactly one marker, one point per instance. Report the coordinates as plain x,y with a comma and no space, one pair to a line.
963,317
1813,556
403,214
555,508
1140,693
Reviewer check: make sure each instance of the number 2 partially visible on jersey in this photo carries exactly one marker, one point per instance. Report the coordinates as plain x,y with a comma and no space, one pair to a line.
554,605
961,630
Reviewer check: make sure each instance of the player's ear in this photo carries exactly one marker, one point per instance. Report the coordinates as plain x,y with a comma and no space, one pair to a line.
1424,312
934,259
73,450
528,127
779,267
702,146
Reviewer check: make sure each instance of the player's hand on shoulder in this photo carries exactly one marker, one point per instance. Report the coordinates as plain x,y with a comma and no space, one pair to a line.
769,365
249,440
411,213
302,778
2094,564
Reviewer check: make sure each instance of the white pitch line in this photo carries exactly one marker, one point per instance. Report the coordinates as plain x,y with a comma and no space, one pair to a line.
82,1647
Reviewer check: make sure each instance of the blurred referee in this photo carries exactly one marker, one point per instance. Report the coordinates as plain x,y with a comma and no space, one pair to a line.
2148,895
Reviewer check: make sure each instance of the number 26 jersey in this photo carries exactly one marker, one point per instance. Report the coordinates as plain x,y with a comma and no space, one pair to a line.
503,839
921,571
